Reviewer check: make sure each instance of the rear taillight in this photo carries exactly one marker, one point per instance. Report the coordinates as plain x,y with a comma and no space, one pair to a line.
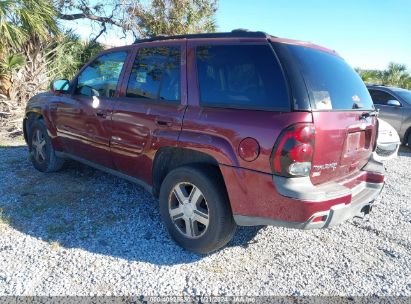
293,152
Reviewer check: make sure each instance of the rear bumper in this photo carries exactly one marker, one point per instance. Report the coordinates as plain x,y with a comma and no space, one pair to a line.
360,205
306,206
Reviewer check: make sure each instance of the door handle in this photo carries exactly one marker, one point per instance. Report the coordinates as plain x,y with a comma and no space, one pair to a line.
101,114
164,121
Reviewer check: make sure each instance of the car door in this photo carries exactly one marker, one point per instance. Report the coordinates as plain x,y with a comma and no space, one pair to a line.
83,118
391,114
150,111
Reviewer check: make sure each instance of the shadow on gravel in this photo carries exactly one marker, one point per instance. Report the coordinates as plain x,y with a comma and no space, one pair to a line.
404,151
80,207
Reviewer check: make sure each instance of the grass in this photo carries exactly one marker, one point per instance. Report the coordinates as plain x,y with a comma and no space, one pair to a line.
4,219
55,245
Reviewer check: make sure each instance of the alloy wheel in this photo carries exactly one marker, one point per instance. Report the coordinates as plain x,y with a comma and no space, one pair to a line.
188,210
39,146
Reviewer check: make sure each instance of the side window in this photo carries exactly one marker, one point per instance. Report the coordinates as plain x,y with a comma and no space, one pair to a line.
241,76
156,74
100,78
381,97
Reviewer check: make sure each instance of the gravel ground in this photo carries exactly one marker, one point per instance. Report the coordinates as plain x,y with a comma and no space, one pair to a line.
83,232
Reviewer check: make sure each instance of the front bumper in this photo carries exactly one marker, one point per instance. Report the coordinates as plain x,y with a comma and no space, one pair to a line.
386,151
325,205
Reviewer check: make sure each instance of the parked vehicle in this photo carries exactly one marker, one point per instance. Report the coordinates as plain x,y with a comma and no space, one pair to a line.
227,129
394,105
388,142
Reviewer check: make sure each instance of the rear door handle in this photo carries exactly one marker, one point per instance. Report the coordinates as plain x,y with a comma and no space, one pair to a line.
164,121
101,114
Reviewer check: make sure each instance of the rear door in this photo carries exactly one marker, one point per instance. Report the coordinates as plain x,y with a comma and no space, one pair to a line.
341,105
237,94
150,111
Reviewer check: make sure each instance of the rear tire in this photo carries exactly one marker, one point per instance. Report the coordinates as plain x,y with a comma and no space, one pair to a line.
42,153
195,209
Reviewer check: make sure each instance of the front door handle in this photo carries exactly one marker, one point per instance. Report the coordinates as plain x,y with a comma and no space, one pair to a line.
101,114
164,121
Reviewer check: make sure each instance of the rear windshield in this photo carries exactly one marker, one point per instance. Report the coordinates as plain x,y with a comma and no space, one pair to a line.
332,84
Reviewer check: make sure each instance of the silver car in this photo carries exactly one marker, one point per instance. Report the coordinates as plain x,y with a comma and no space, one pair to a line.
394,105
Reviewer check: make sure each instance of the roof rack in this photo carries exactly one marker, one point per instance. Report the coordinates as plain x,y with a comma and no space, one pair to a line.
237,33
375,84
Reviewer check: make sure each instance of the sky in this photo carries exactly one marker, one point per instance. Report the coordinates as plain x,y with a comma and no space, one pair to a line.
368,34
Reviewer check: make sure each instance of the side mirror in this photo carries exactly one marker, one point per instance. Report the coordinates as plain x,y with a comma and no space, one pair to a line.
60,86
394,103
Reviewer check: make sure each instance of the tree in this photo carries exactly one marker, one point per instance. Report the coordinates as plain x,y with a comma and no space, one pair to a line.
67,54
24,24
104,13
171,17
394,75
143,18
370,76
24,19
30,29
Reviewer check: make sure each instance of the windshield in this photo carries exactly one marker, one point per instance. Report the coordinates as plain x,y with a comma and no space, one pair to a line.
331,82
405,95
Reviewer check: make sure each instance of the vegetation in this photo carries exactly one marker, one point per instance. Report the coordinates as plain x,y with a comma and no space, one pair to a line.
34,48
25,26
171,17
394,75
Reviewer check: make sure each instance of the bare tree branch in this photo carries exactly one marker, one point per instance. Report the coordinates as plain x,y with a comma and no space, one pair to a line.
89,16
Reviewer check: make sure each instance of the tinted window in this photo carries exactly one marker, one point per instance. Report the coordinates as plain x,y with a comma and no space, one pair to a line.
381,97
240,76
156,74
405,95
100,78
331,82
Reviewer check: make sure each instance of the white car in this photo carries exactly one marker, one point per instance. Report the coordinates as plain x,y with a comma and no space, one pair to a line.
388,142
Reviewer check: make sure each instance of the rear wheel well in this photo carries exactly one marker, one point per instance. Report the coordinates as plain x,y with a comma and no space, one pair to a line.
168,159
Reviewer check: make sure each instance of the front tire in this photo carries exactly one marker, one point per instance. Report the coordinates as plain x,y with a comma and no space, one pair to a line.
195,209
42,153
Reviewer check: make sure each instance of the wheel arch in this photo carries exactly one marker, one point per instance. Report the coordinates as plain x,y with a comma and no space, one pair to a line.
170,158
406,140
28,120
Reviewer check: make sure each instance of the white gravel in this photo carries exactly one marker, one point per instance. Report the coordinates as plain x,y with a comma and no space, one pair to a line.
83,232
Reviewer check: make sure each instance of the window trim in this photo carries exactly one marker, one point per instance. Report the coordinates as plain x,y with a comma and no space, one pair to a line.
389,93
237,106
74,82
149,100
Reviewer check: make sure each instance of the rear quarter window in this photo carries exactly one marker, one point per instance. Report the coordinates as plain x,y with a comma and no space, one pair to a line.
241,76
332,84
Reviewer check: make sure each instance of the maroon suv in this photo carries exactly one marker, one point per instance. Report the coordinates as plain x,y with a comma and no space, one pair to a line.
227,129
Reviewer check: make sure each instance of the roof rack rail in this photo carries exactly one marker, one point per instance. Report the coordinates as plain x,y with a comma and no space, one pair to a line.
237,33
375,84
